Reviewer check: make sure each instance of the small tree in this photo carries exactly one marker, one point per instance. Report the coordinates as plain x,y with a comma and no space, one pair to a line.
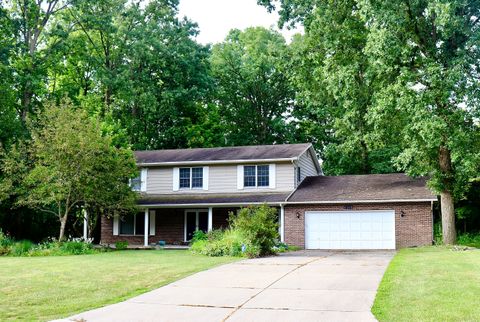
259,225
69,164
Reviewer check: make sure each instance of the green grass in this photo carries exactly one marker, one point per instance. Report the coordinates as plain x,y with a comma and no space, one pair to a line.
430,284
44,288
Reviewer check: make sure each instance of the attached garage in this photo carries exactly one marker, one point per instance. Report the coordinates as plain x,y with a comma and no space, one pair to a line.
350,229
384,211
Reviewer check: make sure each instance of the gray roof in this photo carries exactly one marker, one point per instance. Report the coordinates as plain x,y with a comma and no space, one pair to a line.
351,188
208,198
254,152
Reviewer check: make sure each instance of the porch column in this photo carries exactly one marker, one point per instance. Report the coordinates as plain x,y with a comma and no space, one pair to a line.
282,223
146,230
85,224
210,218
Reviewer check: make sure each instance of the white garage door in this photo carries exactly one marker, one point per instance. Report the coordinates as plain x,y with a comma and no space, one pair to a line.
350,229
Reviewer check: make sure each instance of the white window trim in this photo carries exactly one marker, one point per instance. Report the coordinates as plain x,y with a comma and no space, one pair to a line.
271,176
191,177
143,179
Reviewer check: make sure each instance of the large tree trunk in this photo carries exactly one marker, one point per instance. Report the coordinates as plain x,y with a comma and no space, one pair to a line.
63,223
446,198
448,218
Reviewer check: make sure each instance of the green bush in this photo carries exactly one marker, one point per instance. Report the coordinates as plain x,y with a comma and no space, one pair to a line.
5,243
199,235
253,233
121,245
21,248
259,226
219,243
76,248
469,239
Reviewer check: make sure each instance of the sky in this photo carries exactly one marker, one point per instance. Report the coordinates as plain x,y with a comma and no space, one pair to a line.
215,18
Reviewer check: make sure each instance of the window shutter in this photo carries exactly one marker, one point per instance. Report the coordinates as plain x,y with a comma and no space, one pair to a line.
152,222
176,179
239,176
116,225
272,176
205,178
143,178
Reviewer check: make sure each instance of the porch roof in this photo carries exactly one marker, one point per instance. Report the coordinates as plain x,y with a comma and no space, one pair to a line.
212,199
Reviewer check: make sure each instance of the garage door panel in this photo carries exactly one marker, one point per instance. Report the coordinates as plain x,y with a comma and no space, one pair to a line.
350,230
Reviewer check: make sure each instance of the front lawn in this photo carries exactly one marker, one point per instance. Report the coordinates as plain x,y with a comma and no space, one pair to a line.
44,288
430,284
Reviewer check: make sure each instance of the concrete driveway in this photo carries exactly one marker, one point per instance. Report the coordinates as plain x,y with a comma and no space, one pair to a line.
300,286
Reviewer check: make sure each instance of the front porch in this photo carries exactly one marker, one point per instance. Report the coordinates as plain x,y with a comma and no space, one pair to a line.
173,226
170,226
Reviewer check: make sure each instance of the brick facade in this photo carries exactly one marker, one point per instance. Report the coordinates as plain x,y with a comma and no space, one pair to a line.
169,227
414,229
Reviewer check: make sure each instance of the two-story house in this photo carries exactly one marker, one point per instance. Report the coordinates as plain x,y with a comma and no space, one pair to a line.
188,189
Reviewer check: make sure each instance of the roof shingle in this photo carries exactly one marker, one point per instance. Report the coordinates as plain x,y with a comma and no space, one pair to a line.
255,152
372,187
209,198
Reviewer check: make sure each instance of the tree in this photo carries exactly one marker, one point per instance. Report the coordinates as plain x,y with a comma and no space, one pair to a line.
148,74
254,95
37,35
68,164
424,57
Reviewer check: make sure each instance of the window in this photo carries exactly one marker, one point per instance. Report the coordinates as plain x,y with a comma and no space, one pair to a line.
299,175
132,224
249,176
191,178
136,183
139,183
262,175
256,176
197,177
184,177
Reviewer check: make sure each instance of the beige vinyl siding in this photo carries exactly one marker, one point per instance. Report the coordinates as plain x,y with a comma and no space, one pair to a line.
222,179
160,180
307,165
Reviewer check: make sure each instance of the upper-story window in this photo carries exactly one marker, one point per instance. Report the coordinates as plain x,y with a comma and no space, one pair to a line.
299,175
256,176
139,183
191,178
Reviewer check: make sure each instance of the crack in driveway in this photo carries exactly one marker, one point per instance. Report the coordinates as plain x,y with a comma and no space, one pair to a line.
268,286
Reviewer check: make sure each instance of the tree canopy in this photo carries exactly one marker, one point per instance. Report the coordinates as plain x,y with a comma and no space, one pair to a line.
376,86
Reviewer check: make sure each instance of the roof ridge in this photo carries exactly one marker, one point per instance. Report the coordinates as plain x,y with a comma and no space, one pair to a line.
226,147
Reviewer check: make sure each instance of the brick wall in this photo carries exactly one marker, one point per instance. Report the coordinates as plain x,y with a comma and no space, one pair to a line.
414,229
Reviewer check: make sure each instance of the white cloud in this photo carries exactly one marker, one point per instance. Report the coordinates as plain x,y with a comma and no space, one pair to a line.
217,17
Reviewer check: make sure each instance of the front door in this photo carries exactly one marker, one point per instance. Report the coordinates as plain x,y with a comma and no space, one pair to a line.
195,220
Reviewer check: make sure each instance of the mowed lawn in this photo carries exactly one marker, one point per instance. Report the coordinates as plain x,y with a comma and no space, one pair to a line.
43,288
430,284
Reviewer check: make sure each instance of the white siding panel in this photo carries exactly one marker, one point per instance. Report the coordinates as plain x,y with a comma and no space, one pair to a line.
160,180
221,179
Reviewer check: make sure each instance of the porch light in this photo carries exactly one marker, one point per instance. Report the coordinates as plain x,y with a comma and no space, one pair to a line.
402,213
298,214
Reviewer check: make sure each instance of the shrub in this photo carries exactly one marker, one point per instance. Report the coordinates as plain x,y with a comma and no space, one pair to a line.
219,243
75,248
259,226
21,248
198,235
253,233
121,245
469,239
5,243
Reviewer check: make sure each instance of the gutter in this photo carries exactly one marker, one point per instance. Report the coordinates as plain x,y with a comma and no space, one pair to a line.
357,201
